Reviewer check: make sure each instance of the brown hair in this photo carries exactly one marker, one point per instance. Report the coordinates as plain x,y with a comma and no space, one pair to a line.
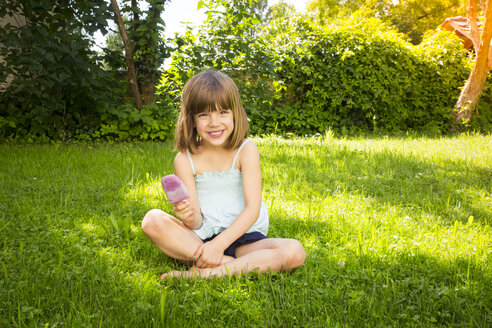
209,91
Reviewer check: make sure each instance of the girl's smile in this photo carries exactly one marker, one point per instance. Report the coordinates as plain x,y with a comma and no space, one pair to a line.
214,127
216,134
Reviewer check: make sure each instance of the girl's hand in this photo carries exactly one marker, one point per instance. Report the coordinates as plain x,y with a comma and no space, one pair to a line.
209,255
184,212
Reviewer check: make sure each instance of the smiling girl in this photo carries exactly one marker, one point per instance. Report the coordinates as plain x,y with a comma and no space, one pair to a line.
223,226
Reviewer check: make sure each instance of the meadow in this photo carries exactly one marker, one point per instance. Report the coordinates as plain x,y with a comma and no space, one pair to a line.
397,233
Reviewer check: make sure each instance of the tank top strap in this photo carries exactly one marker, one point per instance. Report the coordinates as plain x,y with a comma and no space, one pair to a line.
191,162
237,153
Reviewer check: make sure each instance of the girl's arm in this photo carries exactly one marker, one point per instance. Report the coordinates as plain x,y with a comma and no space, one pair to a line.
187,210
249,161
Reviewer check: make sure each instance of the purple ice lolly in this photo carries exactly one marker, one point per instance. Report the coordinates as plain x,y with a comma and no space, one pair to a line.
175,189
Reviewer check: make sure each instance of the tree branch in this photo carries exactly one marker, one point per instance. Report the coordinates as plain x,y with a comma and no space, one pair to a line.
433,12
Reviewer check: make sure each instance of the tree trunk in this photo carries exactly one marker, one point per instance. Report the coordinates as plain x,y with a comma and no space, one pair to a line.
470,94
148,93
132,77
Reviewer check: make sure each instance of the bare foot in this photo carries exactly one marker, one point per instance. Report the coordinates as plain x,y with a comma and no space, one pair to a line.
190,274
173,274
195,272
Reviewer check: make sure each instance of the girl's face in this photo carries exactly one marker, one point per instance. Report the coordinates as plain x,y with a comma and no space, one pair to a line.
214,127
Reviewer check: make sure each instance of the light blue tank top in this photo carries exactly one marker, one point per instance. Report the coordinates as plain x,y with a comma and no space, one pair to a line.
221,200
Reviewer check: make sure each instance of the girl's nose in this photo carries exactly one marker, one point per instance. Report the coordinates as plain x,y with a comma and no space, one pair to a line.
213,118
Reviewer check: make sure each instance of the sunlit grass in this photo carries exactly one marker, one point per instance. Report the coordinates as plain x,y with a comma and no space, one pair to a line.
397,232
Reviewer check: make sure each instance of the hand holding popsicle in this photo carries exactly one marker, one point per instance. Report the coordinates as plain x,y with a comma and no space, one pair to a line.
184,212
177,194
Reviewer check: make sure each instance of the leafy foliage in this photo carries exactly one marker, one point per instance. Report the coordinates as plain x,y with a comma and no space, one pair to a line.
294,76
356,81
411,17
58,86
126,122
229,41
145,28
415,17
356,78
149,49
113,53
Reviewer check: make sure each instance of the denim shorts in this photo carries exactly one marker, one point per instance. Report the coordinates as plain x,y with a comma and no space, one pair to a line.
245,239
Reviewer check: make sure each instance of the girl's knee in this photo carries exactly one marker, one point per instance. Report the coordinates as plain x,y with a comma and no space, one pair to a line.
153,221
295,253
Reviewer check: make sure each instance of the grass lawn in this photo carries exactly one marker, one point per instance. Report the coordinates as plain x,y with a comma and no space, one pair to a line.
397,233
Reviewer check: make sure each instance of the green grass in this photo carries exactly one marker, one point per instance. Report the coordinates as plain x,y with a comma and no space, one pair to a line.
397,233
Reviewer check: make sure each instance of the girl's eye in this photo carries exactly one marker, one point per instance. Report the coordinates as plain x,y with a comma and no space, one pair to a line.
225,111
202,115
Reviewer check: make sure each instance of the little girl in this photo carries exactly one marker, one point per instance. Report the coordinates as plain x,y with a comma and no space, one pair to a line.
222,227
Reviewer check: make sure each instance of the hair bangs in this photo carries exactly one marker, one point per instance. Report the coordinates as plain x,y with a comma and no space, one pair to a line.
210,97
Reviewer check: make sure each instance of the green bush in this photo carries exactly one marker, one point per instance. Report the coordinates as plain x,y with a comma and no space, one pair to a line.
59,87
38,112
357,78
362,79
124,123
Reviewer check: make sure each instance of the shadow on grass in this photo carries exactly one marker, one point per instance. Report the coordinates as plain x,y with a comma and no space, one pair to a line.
449,189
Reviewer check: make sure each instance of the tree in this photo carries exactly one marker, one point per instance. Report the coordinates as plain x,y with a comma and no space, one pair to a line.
148,48
326,10
280,10
411,17
470,94
415,17
132,78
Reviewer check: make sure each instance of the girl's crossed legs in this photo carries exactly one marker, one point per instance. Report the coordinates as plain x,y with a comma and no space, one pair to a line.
174,239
